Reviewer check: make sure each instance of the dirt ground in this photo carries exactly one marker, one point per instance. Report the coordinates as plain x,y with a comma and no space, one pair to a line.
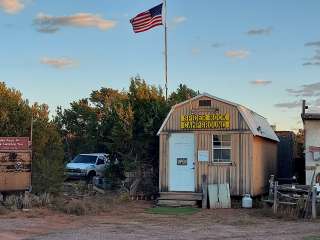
131,221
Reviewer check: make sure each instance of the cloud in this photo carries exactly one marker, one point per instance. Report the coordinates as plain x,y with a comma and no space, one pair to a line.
317,102
177,21
195,51
260,82
306,90
289,105
317,55
315,60
259,31
59,63
312,44
237,54
311,64
51,24
11,6
217,45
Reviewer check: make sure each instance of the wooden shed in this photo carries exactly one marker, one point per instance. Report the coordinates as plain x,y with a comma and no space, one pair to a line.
225,141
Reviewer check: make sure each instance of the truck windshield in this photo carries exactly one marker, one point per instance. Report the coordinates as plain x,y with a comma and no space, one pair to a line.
84,159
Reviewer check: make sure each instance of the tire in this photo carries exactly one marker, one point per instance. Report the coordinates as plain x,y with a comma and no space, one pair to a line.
90,177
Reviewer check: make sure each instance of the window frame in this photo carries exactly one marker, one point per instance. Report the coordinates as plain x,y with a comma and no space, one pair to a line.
221,147
205,100
101,158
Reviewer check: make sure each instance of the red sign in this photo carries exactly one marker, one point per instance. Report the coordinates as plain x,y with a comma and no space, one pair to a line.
14,143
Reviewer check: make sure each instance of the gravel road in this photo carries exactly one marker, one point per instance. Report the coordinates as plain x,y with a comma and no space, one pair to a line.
131,222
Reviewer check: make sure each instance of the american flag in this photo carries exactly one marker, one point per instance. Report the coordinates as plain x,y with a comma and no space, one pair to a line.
148,19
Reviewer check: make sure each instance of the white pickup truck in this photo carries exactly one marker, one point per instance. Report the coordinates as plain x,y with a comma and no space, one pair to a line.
86,166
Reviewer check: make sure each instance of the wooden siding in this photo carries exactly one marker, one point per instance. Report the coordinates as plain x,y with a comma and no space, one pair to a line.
236,120
237,174
264,164
253,158
163,162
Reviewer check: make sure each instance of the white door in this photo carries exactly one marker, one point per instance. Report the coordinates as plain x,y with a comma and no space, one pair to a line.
181,162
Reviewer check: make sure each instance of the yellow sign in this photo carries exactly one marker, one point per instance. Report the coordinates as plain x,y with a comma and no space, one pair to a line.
205,121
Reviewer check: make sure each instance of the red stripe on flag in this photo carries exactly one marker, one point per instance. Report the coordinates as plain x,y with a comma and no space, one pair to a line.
148,23
142,20
138,31
141,16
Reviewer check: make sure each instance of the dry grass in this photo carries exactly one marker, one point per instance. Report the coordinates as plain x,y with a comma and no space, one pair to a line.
89,204
13,202
78,199
244,221
3,210
75,207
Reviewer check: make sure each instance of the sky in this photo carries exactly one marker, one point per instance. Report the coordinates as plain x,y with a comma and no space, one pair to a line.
262,54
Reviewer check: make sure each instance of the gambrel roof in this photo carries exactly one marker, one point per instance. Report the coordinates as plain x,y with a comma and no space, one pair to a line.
258,125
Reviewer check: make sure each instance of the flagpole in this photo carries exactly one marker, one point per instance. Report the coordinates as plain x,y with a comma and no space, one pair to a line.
165,48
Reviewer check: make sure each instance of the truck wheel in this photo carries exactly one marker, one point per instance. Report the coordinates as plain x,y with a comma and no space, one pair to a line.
90,177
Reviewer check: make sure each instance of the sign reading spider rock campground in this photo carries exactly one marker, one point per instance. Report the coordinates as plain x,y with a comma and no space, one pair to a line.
205,121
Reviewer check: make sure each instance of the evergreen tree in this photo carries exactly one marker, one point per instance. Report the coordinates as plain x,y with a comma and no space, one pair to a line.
182,93
47,148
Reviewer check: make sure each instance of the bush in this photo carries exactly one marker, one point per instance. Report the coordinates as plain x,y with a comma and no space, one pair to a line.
124,197
13,202
115,173
27,201
48,159
74,207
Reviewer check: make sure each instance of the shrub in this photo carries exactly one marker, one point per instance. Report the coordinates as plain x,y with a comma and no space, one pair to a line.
13,202
75,207
3,210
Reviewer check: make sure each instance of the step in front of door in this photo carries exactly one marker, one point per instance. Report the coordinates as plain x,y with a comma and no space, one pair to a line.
184,196
176,203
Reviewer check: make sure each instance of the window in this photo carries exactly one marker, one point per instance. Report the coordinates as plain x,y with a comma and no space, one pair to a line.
84,159
204,103
182,161
100,161
221,148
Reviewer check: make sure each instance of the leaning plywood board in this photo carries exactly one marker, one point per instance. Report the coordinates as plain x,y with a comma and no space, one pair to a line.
213,195
224,195
219,195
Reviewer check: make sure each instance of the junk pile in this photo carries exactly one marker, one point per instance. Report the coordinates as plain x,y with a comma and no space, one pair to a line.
303,200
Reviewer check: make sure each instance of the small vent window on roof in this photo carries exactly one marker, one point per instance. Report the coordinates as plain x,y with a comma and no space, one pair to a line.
204,103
